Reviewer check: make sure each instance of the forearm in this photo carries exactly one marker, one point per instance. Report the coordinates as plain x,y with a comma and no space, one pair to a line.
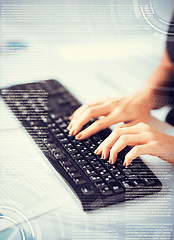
157,90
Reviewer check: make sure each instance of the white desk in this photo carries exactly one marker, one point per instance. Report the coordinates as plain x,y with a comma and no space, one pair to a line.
68,221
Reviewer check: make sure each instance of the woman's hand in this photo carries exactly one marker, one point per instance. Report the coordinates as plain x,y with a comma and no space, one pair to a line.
144,139
129,109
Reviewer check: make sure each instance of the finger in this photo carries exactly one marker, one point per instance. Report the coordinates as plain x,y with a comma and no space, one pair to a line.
88,114
136,152
125,140
105,109
117,132
106,145
138,128
77,113
80,109
95,127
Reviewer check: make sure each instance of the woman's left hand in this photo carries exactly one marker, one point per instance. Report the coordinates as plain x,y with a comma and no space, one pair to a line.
144,140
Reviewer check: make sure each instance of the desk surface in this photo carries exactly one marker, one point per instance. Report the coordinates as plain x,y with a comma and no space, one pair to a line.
68,221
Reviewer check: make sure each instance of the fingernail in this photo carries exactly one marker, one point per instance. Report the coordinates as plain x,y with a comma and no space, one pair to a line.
96,151
110,160
127,164
78,136
71,132
68,127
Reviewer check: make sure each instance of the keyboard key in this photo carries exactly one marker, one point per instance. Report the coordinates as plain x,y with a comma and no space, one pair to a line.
96,179
68,145
65,163
51,125
59,121
60,135
79,181
102,172
46,119
106,163
112,167
74,174
59,155
64,140
82,148
91,172
81,162
88,191
93,161
107,177
55,130
71,151
116,187
88,155
106,192
63,125
117,174
77,156
86,167
70,168
101,185
138,182
126,184
99,166
65,130
148,181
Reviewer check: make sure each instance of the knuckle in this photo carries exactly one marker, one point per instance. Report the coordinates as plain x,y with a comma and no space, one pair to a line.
117,131
148,129
113,102
151,136
122,138
86,107
137,150
99,123
154,143
90,111
141,124
144,126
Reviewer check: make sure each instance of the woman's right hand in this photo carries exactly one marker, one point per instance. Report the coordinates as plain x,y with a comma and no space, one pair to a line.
130,110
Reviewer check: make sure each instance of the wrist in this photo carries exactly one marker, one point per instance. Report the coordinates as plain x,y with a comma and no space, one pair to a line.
147,98
153,98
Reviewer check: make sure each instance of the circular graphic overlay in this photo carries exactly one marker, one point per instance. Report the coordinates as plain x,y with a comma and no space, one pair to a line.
14,225
156,13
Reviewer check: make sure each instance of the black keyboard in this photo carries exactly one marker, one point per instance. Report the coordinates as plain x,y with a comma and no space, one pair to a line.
44,108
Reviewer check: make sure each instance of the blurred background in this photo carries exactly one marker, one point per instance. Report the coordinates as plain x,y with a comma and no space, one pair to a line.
85,44
115,41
